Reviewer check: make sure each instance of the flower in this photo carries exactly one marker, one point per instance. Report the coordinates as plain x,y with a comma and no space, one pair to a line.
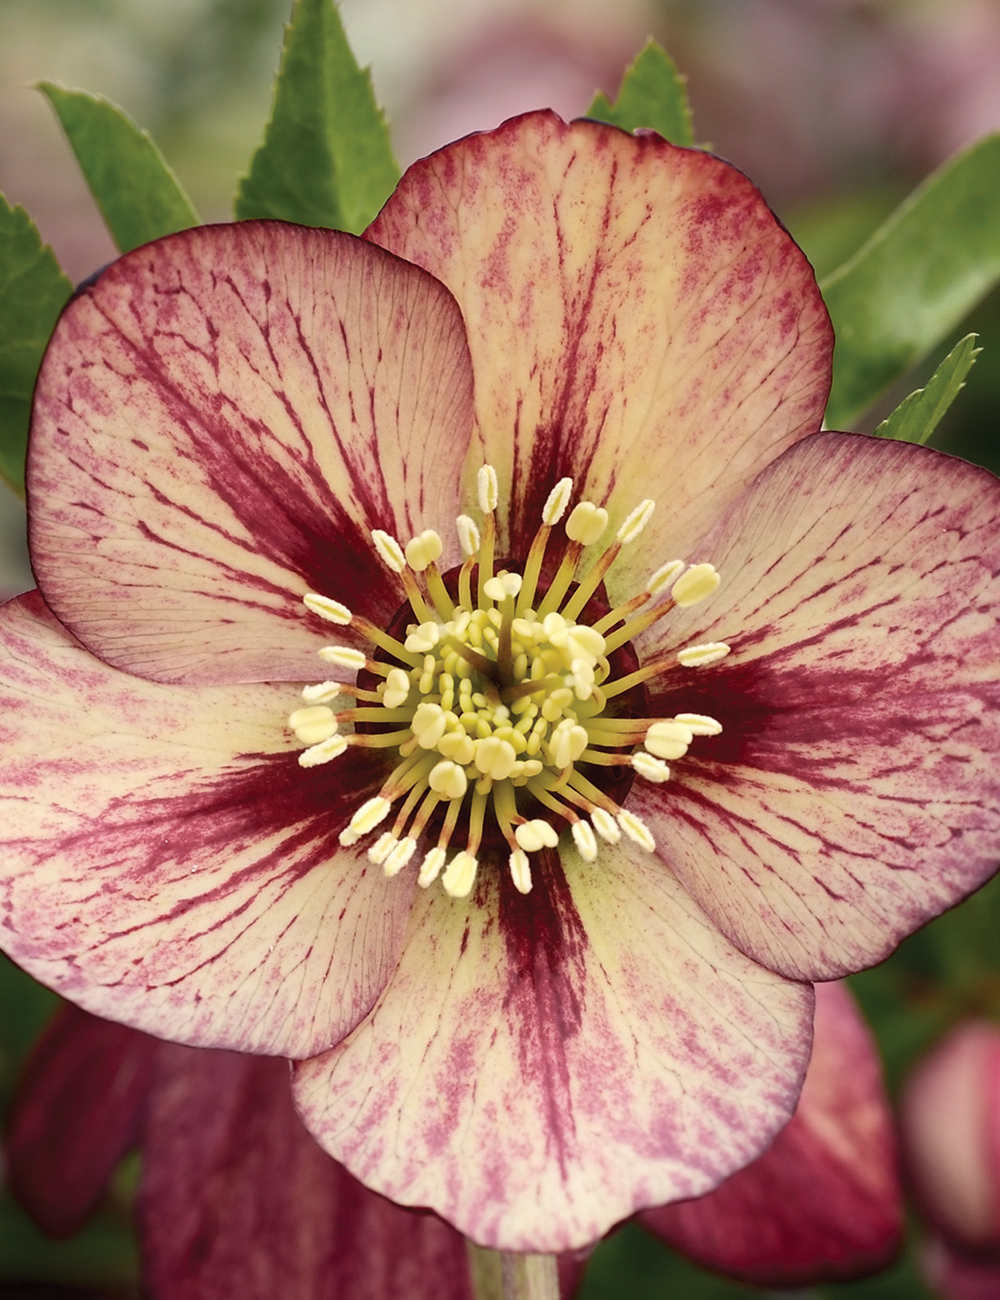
950,1128
235,1198
248,443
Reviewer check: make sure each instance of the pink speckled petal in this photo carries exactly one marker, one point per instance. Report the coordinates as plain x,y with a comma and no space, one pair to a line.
637,317
220,420
236,1200
168,864
541,1066
78,1109
855,790
823,1202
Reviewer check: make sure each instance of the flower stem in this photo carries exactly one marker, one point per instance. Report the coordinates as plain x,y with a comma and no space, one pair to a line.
507,1275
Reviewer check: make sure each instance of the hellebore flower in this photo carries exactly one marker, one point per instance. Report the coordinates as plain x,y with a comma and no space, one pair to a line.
950,1128
823,1202
584,987
236,1199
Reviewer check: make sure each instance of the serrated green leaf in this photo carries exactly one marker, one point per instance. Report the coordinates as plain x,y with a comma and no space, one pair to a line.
907,288
139,196
33,290
652,94
326,158
917,416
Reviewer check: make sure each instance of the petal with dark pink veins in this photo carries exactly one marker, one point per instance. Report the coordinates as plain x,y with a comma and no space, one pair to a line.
78,1109
170,865
236,1199
854,792
541,1066
823,1202
637,317
220,420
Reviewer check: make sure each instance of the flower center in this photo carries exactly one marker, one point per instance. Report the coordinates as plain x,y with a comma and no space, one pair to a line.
502,698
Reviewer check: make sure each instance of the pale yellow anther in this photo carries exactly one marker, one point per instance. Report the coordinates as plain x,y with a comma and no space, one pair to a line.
520,871
557,501
555,703
605,825
468,535
586,523
431,866
584,640
696,584
397,688
458,746
389,550
664,576
344,656
365,819
502,586
636,521
637,830
448,780
699,724
382,847
428,724
323,752
400,856
536,834
495,758
321,693
653,769
567,743
423,549
332,610
460,875
668,739
487,489
313,724
699,656
586,844
423,638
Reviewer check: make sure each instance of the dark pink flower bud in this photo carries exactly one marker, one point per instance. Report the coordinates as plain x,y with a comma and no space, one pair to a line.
950,1117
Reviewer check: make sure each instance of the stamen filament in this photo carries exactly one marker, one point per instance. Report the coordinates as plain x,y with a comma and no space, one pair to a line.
443,603
589,584
632,627
387,643
560,583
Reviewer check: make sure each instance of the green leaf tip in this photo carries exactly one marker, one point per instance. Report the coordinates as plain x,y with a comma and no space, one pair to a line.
326,159
653,95
917,416
33,291
138,194
908,287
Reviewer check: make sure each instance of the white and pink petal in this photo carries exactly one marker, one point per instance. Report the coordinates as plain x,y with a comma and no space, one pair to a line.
854,792
541,1066
221,418
169,864
636,317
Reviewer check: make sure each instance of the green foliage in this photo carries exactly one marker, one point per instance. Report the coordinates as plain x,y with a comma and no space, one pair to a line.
32,292
326,158
908,287
632,1262
917,416
652,94
139,196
